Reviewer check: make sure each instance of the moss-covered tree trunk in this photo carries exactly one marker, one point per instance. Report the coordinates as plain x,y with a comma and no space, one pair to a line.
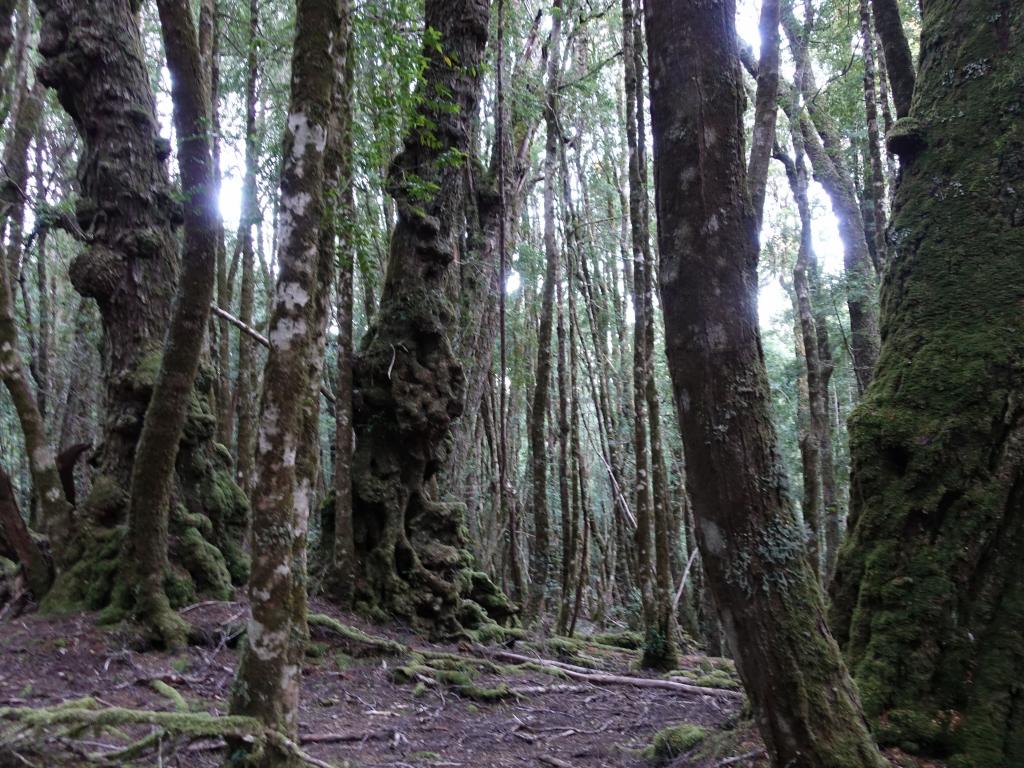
408,383
93,58
929,594
766,593
56,512
269,675
155,457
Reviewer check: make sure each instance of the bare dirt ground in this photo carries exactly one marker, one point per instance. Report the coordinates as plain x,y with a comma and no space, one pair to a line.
358,709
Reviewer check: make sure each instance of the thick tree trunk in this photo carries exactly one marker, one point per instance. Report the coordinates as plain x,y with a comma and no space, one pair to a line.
765,591
929,593
93,58
269,674
409,385
126,205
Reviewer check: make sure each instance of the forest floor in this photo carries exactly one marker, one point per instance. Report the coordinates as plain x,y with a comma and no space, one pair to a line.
367,708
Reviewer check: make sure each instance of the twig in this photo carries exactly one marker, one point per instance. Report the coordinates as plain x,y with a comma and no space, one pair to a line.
260,338
686,572
739,758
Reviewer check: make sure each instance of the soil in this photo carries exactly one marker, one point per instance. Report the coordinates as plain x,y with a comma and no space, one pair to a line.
355,711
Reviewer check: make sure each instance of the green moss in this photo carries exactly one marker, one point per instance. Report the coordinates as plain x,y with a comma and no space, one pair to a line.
180,705
316,650
143,377
342,661
379,644
497,693
669,743
627,640
659,651
718,679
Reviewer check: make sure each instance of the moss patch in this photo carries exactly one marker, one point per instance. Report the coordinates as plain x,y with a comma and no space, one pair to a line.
669,743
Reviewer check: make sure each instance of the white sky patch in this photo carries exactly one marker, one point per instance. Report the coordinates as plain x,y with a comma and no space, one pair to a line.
513,282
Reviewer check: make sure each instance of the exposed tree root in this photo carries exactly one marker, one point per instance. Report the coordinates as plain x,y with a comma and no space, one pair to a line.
382,644
55,733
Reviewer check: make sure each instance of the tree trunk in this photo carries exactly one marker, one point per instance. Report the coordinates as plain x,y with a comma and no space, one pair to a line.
245,387
642,492
929,593
898,61
6,31
93,57
818,434
153,470
875,192
56,512
766,593
824,149
765,107
269,674
341,579
17,542
539,553
126,204
408,384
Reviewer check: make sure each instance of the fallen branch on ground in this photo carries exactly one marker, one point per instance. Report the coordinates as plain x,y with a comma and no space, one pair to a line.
739,758
602,678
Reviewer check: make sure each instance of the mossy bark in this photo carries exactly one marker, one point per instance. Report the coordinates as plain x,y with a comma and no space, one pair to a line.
766,593
408,384
93,58
929,594
169,405
269,675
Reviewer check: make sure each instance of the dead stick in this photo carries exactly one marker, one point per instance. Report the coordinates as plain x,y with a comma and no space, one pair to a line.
738,758
259,337
599,678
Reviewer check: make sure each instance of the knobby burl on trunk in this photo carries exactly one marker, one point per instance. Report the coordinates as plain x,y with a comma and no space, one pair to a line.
408,384
127,212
